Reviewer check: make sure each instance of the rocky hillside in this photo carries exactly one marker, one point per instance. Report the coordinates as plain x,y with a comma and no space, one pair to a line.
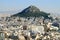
31,11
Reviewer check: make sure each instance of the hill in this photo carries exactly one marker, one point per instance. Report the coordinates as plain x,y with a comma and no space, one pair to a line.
31,11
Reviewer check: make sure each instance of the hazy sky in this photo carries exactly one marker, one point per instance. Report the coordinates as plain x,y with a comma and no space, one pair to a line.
52,6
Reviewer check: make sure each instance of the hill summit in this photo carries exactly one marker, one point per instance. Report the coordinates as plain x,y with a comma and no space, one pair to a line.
31,11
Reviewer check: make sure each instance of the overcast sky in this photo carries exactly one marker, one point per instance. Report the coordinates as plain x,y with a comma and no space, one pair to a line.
12,6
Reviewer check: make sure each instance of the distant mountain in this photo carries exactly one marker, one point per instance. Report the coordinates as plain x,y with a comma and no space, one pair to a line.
31,11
